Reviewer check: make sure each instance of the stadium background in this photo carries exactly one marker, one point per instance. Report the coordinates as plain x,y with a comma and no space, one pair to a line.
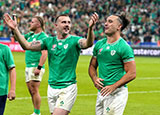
143,35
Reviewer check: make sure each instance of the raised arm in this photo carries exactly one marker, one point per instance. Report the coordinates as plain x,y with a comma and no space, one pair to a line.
35,46
93,73
12,94
85,43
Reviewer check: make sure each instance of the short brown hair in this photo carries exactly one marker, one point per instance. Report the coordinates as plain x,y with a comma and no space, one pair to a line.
60,16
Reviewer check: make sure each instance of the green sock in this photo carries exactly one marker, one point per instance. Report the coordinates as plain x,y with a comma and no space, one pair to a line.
37,111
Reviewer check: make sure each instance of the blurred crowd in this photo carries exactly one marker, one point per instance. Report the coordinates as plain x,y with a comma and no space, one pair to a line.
144,16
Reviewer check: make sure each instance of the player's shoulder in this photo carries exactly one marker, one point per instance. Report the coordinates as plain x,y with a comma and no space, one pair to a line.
50,38
101,41
44,34
4,47
75,36
30,33
123,42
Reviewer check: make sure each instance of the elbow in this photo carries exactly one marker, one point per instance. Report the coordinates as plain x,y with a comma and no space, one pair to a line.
89,70
26,47
133,75
90,45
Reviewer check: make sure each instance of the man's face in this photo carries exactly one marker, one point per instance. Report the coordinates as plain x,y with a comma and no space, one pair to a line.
34,24
112,25
63,25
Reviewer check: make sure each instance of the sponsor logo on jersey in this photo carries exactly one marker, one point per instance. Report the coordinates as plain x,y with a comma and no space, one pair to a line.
100,51
54,45
34,39
60,43
65,46
28,38
107,47
33,64
113,52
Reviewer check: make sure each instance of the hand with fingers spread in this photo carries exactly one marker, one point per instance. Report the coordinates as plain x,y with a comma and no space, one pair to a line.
107,90
9,21
98,83
93,20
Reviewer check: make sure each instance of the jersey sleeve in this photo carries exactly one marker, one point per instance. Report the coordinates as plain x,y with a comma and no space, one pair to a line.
42,36
127,53
43,44
77,41
26,36
9,58
95,49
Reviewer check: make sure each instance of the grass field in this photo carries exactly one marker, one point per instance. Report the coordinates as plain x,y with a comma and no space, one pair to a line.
144,91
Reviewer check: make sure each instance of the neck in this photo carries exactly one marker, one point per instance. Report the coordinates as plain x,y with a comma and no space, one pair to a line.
113,38
62,36
38,31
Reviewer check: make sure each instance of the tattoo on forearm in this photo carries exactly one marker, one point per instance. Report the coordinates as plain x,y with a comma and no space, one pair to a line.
34,43
81,43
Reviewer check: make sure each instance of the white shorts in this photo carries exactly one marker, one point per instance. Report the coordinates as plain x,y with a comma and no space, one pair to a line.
29,73
113,104
62,98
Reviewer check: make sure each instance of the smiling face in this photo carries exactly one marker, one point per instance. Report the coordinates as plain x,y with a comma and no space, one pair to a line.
63,25
112,25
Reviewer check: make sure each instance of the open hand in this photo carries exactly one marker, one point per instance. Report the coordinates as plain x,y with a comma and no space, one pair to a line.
9,21
107,90
93,19
98,84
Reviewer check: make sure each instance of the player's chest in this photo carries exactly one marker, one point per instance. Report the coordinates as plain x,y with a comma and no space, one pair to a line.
32,38
59,48
108,51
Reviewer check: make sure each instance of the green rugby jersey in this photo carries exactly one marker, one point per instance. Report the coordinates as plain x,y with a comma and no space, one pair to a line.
110,59
6,62
32,57
62,56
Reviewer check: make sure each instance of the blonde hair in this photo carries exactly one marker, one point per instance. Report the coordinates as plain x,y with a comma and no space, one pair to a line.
41,21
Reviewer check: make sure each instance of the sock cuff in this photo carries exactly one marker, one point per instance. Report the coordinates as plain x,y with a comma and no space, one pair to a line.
37,111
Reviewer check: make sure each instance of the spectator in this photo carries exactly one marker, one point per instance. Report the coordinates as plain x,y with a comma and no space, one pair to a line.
142,13
147,37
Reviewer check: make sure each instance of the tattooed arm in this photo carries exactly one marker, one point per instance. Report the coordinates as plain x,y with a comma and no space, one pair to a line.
34,46
12,24
85,43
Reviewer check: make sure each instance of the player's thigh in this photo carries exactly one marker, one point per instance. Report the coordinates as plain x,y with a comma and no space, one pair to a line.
116,103
99,104
67,97
62,98
52,95
59,111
